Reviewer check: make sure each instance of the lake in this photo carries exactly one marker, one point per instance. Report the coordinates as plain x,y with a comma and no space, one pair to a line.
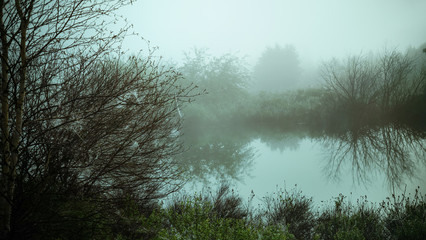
373,163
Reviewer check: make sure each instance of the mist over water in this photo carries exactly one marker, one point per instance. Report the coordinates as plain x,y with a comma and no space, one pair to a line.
360,134
275,111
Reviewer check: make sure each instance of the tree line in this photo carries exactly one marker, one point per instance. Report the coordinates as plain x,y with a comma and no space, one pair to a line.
374,89
369,108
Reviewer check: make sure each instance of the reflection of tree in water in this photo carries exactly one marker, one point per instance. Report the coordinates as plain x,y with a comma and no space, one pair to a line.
283,137
218,160
228,154
284,142
396,151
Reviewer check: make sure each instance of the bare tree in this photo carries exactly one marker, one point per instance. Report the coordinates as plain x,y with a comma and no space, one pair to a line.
75,112
368,86
112,130
369,101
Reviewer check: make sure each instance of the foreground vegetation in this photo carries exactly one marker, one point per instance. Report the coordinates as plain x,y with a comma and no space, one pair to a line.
283,215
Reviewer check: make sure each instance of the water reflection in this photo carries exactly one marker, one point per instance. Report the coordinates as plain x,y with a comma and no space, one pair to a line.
221,160
394,150
282,142
227,154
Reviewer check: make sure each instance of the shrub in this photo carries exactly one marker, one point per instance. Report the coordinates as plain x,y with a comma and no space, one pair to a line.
406,218
286,215
214,216
195,218
345,221
293,210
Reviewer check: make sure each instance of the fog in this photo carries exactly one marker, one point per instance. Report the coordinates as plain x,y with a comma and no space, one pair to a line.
261,141
213,119
319,30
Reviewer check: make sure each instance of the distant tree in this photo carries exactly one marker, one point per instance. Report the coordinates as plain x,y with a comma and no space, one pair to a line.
418,54
223,76
376,86
374,113
82,126
224,79
277,69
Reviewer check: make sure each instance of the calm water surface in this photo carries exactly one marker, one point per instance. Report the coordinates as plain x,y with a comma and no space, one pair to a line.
307,168
267,166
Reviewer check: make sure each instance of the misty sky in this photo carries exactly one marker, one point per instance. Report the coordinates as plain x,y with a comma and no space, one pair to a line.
319,29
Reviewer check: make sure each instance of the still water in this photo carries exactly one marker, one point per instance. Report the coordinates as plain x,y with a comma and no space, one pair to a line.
306,166
372,165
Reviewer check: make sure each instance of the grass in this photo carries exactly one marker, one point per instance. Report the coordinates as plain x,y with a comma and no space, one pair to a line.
283,215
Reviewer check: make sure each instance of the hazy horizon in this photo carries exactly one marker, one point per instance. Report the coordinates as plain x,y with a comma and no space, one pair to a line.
319,30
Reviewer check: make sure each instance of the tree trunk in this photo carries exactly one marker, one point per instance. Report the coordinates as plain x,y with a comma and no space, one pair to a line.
5,201
10,145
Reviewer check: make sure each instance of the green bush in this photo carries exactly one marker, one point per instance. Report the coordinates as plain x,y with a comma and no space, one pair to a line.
195,218
286,215
406,217
345,221
293,210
